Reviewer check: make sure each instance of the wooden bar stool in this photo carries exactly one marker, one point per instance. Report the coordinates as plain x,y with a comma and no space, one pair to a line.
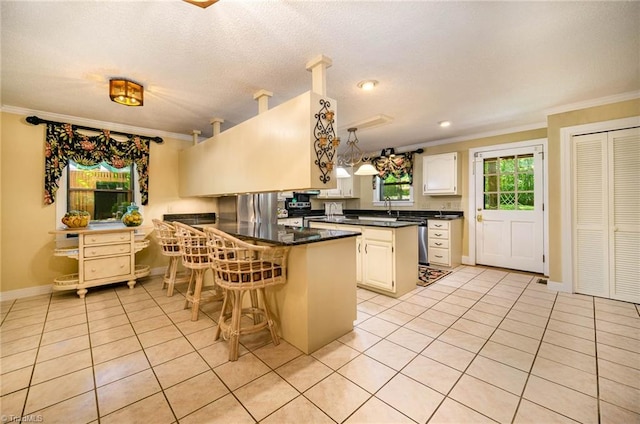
166,236
241,267
194,251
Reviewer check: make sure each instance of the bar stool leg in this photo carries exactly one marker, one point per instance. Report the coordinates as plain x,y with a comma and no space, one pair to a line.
234,328
195,299
272,325
173,269
223,313
257,318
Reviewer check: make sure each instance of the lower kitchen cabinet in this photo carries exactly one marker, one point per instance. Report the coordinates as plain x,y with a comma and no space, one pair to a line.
445,242
387,259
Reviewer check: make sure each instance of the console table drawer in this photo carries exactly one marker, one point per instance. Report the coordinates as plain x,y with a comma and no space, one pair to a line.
110,249
107,267
124,236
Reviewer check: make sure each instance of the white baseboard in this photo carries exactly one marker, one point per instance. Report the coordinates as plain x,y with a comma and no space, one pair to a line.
558,287
26,292
466,260
46,289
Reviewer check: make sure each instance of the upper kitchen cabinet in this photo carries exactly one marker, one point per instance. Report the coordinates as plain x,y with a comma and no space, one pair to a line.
440,174
346,188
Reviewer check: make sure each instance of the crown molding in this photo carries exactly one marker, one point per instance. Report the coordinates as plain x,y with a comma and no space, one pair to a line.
631,95
475,136
95,124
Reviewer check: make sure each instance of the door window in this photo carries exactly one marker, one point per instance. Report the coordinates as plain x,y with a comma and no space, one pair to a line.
508,183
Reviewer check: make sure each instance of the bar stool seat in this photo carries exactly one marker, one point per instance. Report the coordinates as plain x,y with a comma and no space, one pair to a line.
194,251
166,236
240,267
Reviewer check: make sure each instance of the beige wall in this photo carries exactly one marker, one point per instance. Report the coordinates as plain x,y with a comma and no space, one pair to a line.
26,244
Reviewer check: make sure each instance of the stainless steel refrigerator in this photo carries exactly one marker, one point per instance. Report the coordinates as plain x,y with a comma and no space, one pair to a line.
259,208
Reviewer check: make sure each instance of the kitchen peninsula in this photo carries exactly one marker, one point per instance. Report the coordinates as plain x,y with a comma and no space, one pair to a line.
386,252
317,304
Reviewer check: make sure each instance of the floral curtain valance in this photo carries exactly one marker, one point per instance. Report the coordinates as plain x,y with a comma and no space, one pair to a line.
64,143
398,165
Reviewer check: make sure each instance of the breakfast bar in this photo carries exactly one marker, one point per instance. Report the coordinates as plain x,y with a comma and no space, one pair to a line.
317,304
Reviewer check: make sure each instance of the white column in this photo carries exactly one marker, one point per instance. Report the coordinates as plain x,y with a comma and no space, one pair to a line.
216,125
318,67
262,96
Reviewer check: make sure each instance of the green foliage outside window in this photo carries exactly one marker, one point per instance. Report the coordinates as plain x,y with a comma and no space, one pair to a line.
397,189
509,183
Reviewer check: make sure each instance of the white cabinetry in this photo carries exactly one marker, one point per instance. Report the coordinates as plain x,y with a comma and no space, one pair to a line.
440,174
345,188
445,242
387,259
291,222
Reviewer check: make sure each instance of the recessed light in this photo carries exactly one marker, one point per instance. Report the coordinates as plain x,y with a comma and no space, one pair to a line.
367,84
444,124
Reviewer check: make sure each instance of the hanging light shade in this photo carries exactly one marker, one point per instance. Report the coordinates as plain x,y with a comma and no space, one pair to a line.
202,3
341,172
126,92
366,169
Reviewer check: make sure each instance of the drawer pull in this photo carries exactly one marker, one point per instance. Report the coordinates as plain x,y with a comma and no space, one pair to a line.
93,252
438,234
438,256
438,244
437,225
93,270
93,239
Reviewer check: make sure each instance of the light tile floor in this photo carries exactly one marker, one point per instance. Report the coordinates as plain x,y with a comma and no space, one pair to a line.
481,345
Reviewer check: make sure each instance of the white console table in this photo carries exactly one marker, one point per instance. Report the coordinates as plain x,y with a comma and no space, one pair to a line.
105,254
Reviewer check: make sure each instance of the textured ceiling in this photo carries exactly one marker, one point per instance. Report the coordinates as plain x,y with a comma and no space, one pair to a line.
485,66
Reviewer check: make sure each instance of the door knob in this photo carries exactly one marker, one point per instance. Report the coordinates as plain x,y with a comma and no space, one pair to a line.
479,218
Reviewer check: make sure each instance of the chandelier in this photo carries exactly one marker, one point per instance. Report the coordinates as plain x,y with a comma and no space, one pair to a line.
354,155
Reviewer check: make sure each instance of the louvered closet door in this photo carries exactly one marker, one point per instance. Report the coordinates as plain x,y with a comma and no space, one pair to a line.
606,205
590,242
624,228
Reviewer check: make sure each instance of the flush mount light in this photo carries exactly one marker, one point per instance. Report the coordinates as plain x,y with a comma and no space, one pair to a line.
444,124
201,3
126,92
367,85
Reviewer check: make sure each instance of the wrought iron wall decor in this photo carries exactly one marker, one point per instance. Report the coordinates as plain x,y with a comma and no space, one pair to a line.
326,142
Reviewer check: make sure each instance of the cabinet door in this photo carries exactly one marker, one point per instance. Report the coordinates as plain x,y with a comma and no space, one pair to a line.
440,174
378,264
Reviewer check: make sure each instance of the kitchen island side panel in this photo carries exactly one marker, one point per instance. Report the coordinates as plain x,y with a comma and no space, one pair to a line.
317,304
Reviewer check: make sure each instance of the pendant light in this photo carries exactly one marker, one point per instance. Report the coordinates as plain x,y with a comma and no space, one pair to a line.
354,155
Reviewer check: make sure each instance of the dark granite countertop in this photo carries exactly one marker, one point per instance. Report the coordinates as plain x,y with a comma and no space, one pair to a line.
278,234
364,222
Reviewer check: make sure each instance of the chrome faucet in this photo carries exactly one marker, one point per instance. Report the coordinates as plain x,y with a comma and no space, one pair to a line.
387,204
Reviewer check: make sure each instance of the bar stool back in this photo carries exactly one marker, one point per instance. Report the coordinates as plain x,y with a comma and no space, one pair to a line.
193,248
166,236
241,267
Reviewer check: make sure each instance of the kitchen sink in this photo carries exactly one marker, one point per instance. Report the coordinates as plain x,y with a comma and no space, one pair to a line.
446,216
378,218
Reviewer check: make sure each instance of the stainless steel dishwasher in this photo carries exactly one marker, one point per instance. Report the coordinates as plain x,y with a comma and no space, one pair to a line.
423,257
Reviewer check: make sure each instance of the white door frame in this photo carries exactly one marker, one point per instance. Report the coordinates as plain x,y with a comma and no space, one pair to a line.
471,196
566,192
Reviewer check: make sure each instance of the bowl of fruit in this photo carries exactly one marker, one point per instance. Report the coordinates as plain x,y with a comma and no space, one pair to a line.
76,219
133,217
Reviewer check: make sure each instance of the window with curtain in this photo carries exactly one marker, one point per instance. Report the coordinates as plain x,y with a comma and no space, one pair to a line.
394,179
64,145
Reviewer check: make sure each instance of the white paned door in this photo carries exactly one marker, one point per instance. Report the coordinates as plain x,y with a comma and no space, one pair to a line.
509,208
606,214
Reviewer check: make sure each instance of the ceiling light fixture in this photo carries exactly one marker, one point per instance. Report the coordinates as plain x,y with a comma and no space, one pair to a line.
444,124
126,92
367,85
354,156
201,3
